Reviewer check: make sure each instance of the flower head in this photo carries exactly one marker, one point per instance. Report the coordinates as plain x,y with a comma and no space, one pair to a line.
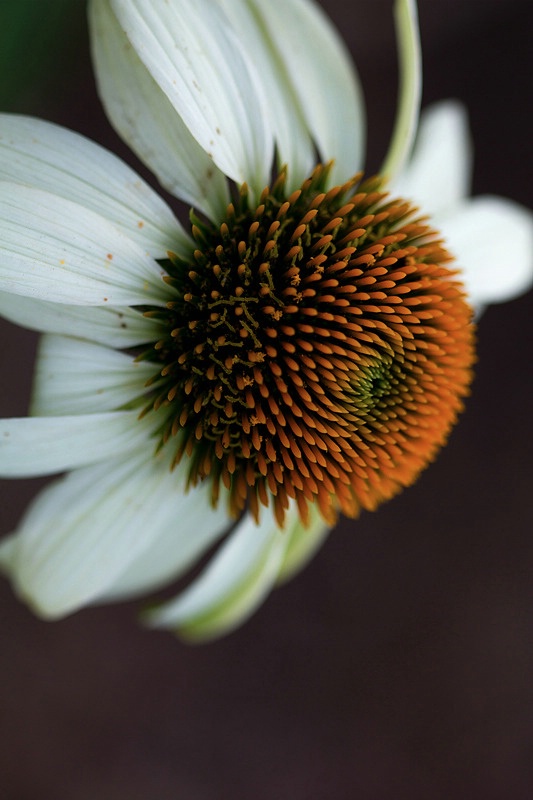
301,350
316,349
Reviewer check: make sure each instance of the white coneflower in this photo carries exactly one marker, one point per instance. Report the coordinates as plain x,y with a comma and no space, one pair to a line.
301,350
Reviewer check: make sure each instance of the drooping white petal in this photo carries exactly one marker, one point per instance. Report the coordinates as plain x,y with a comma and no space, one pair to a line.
310,83
232,586
146,119
439,172
184,540
8,546
77,377
49,157
303,544
410,89
54,249
33,446
85,530
492,239
295,147
194,56
116,327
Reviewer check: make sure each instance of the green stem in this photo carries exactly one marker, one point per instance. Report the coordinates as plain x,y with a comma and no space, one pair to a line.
410,87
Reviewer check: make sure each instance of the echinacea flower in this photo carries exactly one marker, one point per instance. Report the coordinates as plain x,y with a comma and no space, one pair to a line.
301,350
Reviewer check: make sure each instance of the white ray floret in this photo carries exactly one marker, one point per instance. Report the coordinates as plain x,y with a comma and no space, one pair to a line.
45,156
195,58
234,583
32,446
144,116
115,327
54,249
483,233
73,376
83,532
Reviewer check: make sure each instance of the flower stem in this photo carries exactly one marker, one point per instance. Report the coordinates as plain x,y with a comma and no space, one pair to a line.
410,87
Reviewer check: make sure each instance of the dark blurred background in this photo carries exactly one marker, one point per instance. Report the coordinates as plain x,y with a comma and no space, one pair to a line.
399,664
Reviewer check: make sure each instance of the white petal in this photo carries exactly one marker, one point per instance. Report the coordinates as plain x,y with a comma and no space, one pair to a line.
186,537
8,547
54,249
317,77
492,239
410,89
32,446
439,172
309,82
77,377
195,58
232,586
66,164
295,147
84,531
116,327
145,118
303,544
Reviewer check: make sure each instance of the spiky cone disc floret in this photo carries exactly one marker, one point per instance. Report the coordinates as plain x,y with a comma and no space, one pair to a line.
320,349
